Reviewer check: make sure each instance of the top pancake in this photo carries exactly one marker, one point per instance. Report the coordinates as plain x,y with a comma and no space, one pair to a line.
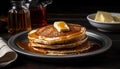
50,35
50,31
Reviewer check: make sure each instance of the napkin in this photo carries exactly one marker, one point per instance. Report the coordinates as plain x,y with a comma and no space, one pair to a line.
7,55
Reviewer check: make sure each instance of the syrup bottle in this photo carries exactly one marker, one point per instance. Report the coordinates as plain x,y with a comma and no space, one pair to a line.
18,17
38,12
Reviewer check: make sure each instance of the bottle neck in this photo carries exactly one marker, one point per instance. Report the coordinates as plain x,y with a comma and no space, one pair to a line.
18,4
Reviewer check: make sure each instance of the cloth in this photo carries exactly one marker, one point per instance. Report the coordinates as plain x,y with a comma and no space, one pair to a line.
7,55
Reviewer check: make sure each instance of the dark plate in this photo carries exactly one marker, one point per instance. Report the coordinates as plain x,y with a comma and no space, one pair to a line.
101,39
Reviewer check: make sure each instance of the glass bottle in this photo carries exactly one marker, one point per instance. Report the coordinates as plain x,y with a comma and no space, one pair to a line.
38,12
18,17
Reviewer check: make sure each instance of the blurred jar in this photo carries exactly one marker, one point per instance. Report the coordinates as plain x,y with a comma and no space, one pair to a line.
18,17
38,12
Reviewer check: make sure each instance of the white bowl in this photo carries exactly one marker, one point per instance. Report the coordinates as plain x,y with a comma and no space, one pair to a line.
104,26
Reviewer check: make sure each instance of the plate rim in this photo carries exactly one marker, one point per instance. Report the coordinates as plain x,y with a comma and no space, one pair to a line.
107,40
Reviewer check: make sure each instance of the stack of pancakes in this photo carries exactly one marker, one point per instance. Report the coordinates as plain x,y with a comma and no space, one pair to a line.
47,40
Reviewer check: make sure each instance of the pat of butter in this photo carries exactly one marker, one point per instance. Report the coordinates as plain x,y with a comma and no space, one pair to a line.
61,26
104,17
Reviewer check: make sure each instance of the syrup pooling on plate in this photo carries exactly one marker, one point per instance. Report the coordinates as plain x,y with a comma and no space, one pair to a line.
24,45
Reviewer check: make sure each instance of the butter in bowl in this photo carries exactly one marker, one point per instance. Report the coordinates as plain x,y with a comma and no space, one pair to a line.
105,21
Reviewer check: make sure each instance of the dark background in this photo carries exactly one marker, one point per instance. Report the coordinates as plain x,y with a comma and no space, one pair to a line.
84,6
72,6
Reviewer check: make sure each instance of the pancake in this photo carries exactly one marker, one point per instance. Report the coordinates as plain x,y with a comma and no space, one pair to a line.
48,40
71,44
76,50
50,36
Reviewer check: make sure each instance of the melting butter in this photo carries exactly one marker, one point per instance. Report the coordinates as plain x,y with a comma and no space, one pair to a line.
61,26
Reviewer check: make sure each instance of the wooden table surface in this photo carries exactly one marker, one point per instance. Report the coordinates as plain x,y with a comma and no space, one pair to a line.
107,60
